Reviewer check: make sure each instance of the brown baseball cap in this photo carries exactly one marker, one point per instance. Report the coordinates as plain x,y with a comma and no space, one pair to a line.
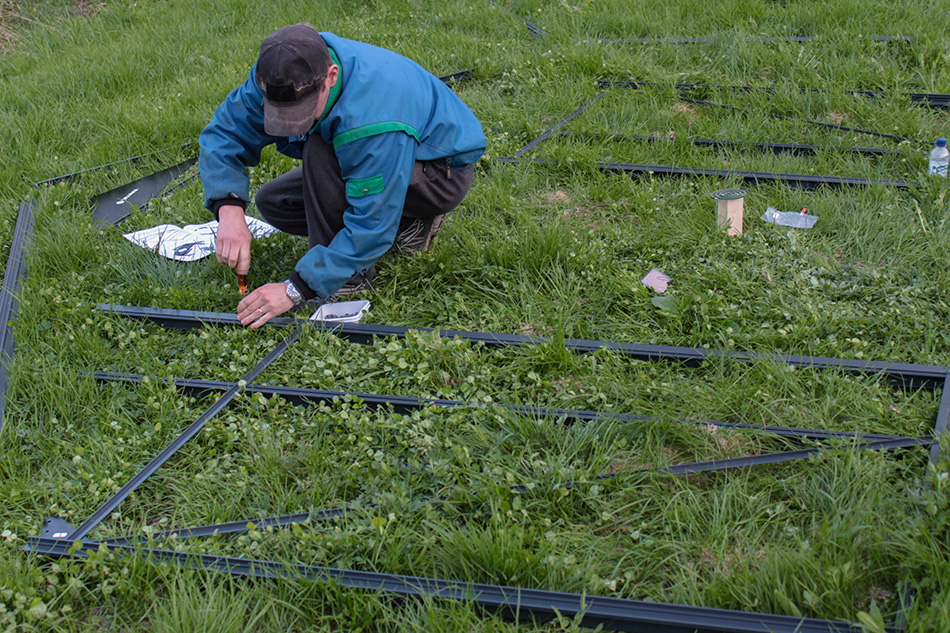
291,69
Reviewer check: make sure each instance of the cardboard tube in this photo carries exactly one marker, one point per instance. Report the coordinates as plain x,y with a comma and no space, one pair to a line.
729,205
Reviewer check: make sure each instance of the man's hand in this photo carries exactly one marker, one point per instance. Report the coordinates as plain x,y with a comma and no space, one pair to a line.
234,239
262,305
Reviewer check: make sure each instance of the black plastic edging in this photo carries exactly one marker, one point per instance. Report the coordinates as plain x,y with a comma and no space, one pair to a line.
748,461
614,614
233,527
113,502
930,99
406,404
940,424
906,375
117,204
796,149
788,456
800,39
534,30
461,75
906,593
805,181
557,126
9,295
78,174
784,117
833,126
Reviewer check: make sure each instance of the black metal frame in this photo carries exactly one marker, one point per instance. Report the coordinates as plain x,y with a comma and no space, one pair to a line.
557,126
797,149
315,516
402,404
805,181
113,502
913,376
630,617
800,39
78,174
616,614
299,396
940,425
9,295
774,115
533,29
115,205
930,99
612,613
906,375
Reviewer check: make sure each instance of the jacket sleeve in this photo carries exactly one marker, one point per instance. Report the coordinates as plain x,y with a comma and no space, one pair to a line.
376,171
232,142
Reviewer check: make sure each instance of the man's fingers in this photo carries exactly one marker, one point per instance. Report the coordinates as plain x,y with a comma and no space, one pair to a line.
235,256
233,247
220,252
263,304
263,318
254,318
243,261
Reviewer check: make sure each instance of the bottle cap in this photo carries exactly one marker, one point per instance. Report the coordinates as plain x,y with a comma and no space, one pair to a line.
728,194
941,142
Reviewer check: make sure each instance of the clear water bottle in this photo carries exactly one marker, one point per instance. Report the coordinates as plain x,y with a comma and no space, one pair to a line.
939,158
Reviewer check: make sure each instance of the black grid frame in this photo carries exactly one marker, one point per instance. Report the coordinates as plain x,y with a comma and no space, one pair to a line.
61,540
804,181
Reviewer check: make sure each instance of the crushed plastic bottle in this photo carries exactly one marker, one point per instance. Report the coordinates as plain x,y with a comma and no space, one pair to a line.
800,220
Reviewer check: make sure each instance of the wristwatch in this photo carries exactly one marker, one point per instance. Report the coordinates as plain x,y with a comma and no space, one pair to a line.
292,292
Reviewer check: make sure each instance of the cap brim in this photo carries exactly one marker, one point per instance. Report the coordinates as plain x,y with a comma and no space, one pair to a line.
291,119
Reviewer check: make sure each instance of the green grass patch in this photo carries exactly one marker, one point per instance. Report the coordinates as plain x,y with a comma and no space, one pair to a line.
552,248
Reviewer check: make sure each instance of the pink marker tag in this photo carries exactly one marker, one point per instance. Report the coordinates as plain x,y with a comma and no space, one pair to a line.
656,280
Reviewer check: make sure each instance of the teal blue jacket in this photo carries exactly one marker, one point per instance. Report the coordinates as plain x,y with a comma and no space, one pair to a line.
385,113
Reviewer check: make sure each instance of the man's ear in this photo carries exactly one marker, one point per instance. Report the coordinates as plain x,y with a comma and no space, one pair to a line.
333,73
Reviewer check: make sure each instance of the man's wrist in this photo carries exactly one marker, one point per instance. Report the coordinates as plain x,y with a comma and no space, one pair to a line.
217,205
293,292
306,291
230,213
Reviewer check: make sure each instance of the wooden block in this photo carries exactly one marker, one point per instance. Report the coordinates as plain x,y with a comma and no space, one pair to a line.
729,205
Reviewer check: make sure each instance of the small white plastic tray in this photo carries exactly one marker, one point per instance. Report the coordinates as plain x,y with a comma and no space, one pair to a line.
342,312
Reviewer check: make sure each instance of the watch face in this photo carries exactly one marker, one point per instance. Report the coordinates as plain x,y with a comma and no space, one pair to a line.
292,291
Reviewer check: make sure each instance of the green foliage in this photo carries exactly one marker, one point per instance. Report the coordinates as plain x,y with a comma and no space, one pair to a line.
553,249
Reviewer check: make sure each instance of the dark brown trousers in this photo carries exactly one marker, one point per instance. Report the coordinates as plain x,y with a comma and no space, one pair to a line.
310,200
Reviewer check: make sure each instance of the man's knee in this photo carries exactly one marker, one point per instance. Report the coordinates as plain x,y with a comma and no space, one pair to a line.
265,199
281,203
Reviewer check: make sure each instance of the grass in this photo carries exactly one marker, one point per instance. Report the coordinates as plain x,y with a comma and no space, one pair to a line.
553,248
